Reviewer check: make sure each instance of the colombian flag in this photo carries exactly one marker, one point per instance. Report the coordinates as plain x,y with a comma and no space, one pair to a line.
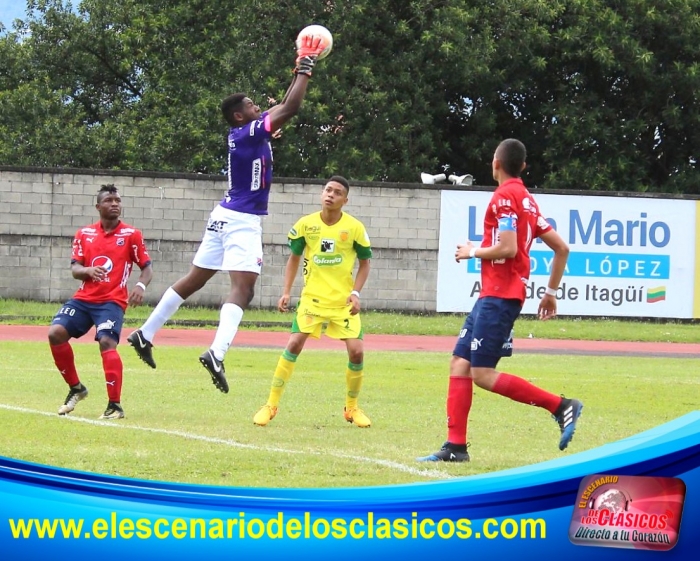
656,294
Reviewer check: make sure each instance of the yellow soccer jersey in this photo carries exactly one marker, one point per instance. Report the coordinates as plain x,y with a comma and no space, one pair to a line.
329,256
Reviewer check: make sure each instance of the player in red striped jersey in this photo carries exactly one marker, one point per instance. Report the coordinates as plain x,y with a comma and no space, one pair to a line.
511,224
102,258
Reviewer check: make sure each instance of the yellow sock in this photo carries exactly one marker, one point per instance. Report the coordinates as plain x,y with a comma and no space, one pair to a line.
353,381
283,372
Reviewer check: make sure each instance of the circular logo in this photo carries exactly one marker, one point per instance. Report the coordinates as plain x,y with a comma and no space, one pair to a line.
612,499
104,262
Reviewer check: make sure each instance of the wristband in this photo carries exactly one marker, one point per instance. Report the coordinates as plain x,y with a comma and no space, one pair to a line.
472,253
550,291
143,286
355,292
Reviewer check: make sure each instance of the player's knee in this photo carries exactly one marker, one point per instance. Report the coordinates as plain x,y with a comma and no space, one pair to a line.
192,282
250,293
107,343
484,377
58,335
459,366
356,357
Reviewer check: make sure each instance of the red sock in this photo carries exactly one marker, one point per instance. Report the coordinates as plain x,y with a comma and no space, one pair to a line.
523,391
65,362
112,364
459,402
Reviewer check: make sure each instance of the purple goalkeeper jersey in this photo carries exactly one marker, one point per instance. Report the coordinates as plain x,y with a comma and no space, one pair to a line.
249,167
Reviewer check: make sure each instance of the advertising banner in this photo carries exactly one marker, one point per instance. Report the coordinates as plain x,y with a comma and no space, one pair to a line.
630,257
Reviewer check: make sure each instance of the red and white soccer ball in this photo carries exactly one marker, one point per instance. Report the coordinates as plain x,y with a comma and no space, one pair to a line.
317,31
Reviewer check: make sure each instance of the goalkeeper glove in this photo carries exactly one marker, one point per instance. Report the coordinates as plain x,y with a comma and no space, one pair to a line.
305,64
311,45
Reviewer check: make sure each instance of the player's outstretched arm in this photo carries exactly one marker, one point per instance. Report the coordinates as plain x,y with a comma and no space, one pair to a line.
548,304
282,113
307,55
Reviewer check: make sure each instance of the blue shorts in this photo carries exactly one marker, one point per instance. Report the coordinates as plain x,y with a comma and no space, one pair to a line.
78,317
487,333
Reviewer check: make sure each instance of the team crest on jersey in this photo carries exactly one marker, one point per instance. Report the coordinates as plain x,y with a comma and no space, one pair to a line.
120,241
344,235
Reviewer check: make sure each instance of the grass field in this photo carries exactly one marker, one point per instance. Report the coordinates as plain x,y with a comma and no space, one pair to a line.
179,428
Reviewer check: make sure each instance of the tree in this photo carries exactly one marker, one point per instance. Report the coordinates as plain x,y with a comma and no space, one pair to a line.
602,92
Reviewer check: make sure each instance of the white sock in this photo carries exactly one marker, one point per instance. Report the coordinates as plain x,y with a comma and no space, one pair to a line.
168,305
231,315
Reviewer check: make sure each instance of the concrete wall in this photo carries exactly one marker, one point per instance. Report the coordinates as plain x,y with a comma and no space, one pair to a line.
41,209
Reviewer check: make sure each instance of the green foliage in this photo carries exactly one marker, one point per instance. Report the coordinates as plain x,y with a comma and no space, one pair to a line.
603,92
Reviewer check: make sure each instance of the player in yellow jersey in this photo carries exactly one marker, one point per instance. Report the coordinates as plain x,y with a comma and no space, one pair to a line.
329,241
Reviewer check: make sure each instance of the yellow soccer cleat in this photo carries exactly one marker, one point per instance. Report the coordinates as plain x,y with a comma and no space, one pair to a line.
264,415
357,417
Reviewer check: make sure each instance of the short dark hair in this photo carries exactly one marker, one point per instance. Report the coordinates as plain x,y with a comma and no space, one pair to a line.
110,188
340,179
230,105
512,154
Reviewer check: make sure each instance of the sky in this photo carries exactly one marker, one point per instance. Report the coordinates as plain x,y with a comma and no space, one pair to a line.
11,10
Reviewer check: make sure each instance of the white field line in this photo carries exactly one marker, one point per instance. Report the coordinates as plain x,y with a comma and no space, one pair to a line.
429,473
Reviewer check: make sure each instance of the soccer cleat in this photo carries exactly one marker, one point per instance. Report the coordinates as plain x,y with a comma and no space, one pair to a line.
357,417
568,413
216,370
264,415
114,411
142,347
448,453
75,394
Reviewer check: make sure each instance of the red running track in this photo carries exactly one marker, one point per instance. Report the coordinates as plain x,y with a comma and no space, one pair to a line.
444,344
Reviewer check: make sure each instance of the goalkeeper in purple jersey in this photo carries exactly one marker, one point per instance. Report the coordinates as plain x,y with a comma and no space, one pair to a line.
232,240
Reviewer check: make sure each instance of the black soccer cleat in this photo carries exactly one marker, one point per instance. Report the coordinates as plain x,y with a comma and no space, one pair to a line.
216,370
114,411
142,347
448,453
566,416
75,394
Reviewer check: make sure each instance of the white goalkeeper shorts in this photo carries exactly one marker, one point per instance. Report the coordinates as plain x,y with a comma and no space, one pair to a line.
232,241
